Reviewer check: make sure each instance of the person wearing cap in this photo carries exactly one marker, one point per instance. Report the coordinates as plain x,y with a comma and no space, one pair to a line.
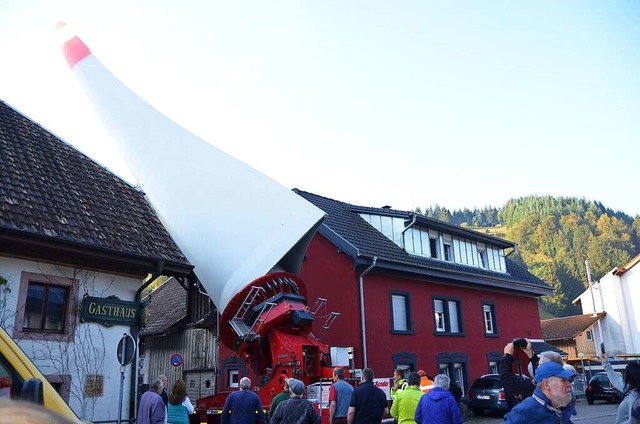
551,399
339,397
243,406
426,383
520,386
295,410
281,397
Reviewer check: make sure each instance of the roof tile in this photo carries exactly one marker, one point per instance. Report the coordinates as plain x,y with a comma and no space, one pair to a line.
567,327
50,189
344,219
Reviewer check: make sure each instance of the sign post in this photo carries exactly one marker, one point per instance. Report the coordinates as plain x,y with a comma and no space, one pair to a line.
125,352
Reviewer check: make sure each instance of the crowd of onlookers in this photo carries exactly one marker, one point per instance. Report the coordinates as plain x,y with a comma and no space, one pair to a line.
542,394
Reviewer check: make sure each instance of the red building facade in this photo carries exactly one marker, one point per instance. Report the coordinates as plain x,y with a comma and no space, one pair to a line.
412,292
420,311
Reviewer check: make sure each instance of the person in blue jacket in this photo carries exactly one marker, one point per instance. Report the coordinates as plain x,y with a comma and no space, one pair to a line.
438,406
243,406
550,401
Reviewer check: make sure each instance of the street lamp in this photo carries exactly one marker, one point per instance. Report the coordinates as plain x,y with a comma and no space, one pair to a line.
582,378
581,356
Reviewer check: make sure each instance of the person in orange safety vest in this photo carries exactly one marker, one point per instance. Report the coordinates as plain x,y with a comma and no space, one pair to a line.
426,383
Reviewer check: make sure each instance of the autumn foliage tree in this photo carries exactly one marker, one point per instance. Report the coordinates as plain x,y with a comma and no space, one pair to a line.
555,236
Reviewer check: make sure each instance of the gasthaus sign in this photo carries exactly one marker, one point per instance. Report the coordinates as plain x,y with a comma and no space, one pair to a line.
110,310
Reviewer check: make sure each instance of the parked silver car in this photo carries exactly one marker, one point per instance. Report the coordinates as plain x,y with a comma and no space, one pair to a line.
487,393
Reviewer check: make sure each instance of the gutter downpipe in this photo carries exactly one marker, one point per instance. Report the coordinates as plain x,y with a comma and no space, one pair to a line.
415,217
362,319
133,390
216,352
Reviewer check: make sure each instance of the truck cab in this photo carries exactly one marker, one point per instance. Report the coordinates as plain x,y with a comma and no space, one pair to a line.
21,379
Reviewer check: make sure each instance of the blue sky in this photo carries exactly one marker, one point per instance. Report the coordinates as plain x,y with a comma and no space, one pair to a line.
463,104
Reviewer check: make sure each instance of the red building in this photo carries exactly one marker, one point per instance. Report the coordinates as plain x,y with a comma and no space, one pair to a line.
412,292
417,293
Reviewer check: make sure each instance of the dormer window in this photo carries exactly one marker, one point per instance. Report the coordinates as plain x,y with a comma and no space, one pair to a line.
433,244
482,255
446,248
439,245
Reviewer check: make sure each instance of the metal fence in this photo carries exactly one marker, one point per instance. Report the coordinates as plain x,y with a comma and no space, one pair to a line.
579,385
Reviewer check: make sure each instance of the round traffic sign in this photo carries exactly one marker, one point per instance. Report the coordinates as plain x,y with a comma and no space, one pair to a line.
126,349
176,360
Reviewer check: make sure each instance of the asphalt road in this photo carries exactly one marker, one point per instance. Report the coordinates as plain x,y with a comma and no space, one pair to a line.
601,412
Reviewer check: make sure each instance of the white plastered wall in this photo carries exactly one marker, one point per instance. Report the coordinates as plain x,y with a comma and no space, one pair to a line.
51,356
619,297
630,282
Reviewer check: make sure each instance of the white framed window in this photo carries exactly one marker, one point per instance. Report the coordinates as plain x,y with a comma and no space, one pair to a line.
589,335
448,255
453,317
454,365
234,378
447,316
489,317
391,227
438,308
400,312
482,255
435,244
433,247
458,376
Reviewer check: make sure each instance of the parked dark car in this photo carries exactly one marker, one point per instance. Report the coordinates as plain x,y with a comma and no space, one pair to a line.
487,393
600,388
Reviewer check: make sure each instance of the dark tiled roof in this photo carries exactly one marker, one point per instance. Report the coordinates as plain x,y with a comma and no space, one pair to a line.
567,327
540,346
344,226
49,189
166,306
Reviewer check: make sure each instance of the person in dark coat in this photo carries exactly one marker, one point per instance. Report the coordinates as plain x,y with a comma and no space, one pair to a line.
456,391
243,406
164,395
368,403
295,410
438,406
279,398
516,386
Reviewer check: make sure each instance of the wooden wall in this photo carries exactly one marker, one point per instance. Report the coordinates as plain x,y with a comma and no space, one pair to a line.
197,347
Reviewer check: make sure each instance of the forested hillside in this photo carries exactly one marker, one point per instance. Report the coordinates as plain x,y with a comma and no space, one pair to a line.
555,235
